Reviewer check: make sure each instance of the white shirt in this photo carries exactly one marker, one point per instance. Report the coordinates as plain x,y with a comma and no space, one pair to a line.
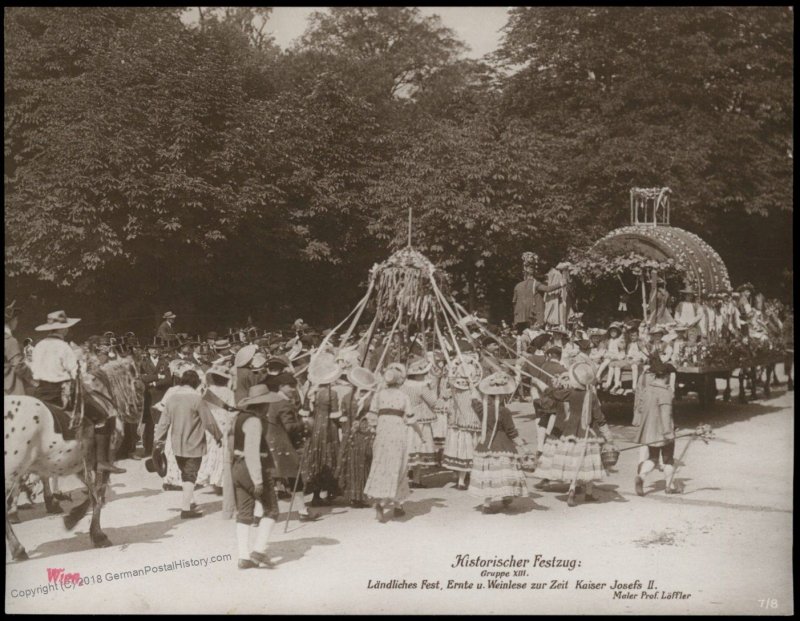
53,360
686,313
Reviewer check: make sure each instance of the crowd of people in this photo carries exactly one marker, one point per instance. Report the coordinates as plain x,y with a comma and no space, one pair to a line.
258,416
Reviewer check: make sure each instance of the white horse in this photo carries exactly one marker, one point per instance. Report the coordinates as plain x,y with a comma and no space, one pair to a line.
32,445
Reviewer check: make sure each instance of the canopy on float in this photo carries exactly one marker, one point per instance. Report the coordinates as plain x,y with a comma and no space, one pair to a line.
704,268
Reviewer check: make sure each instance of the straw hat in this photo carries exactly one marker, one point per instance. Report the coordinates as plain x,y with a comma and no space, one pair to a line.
245,355
419,366
581,374
499,383
323,369
57,320
168,315
224,343
362,378
347,358
460,373
259,360
219,370
259,393
658,330
688,289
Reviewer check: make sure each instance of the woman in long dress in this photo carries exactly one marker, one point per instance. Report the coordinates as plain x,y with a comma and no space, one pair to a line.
213,466
355,458
319,465
387,483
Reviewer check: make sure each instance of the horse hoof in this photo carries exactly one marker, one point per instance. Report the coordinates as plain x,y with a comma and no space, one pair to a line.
54,509
21,555
13,518
102,542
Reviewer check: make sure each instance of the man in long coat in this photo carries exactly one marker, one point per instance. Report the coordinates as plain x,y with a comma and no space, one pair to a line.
156,376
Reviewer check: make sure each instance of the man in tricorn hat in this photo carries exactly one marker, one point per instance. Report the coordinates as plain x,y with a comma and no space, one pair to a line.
15,372
55,367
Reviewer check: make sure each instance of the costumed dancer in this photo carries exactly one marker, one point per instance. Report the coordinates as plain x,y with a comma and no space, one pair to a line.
253,484
319,464
215,469
188,417
421,447
55,366
355,458
463,424
387,483
656,427
575,453
496,469
437,380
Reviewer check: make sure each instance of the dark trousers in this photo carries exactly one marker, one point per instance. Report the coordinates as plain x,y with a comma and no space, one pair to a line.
50,392
149,419
243,490
667,453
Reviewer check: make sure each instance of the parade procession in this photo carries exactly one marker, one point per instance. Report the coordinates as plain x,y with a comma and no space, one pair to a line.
531,331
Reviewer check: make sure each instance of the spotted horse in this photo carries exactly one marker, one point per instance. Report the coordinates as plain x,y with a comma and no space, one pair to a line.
33,445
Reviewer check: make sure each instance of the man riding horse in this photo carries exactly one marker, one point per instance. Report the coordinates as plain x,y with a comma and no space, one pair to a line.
55,366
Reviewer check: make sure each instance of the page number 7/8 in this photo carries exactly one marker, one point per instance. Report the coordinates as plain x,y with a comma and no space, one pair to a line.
768,603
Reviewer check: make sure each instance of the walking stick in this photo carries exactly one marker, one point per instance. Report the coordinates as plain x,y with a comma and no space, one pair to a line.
703,432
294,490
574,483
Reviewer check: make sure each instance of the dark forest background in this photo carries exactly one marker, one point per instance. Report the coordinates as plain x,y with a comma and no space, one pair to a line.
154,165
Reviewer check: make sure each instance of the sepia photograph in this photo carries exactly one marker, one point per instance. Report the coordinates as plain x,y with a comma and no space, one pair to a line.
399,310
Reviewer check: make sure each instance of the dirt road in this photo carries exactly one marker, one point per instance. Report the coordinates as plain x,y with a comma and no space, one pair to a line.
723,547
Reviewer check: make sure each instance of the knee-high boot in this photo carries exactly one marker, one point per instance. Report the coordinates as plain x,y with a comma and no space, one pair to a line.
103,451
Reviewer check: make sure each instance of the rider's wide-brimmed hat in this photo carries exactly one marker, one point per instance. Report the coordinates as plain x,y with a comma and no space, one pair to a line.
362,378
499,383
57,320
581,374
323,369
168,315
258,393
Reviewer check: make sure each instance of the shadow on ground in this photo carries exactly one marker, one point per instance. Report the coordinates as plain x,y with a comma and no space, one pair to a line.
293,550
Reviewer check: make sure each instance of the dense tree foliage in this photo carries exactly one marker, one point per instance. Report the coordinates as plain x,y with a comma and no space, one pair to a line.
155,162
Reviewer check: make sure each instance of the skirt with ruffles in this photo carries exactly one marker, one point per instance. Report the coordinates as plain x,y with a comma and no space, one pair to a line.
388,474
421,446
561,457
496,475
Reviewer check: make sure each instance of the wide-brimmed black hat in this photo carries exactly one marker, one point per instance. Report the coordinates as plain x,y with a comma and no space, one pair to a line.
157,463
